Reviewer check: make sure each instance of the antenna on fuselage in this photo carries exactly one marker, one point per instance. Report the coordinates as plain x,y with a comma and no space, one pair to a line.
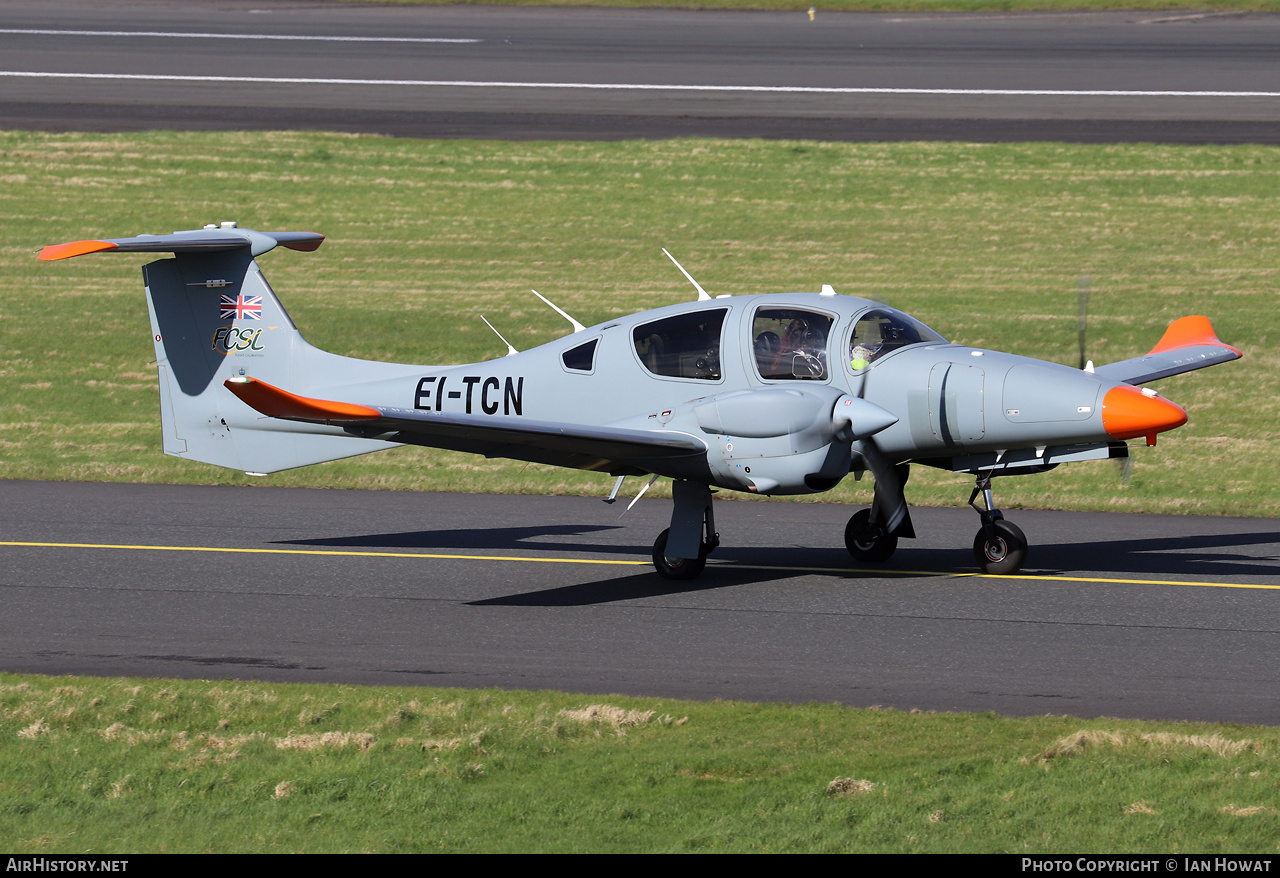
702,294
577,327
511,352
647,486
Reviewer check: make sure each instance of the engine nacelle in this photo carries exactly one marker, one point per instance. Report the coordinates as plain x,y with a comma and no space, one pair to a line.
784,440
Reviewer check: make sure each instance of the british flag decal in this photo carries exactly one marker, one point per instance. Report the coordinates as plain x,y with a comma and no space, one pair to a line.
242,307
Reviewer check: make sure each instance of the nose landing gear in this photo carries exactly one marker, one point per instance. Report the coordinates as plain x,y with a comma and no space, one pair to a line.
999,547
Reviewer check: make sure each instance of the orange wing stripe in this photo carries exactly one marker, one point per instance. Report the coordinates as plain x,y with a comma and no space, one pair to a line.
276,403
75,248
1187,332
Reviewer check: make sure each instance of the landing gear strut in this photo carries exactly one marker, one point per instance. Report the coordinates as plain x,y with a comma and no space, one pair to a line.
1000,547
693,518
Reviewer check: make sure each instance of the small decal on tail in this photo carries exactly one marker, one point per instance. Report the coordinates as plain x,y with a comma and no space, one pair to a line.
242,307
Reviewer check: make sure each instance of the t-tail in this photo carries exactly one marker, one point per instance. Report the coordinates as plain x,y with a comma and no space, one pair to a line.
214,317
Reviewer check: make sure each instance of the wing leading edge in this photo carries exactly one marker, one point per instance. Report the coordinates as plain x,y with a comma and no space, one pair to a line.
605,449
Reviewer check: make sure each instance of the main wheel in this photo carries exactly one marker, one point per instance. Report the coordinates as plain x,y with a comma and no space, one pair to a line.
1004,554
677,568
868,542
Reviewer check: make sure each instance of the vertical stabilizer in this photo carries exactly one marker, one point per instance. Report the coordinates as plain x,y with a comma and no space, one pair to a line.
214,317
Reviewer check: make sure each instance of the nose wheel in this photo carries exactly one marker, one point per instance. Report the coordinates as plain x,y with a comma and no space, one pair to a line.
999,547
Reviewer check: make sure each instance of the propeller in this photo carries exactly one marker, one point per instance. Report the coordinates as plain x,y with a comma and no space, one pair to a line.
1082,320
1082,330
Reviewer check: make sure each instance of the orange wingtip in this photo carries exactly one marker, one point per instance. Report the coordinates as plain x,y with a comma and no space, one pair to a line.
75,248
276,403
1188,332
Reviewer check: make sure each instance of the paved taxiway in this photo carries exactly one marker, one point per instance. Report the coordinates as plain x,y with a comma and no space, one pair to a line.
1124,615
581,73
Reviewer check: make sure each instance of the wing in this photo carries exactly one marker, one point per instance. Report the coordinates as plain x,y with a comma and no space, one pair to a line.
605,449
1188,344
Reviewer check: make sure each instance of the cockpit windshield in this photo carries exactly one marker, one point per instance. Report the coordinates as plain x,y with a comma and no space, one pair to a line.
884,330
791,343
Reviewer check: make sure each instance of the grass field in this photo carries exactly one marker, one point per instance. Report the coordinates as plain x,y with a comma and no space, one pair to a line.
135,766
985,242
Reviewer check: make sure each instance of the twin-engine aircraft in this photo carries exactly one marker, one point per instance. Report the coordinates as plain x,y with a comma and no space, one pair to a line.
767,394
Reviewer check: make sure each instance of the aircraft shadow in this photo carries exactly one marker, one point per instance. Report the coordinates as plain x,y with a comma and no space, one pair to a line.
647,584
1204,556
481,538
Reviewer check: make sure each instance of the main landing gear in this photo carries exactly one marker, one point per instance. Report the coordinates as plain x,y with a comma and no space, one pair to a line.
682,555
868,542
1000,546
683,568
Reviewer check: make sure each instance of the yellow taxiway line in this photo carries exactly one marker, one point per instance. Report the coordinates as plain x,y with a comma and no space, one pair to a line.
617,563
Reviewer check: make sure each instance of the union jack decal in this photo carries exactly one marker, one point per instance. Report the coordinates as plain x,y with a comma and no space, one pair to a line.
242,307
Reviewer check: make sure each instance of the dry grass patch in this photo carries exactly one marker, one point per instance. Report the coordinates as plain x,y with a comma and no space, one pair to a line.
35,730
326,741
617,717
1251,811
1078,743
848,786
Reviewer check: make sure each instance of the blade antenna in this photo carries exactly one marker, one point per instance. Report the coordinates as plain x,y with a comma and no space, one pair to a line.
702,294
647,486
577,327
511,352
1082,319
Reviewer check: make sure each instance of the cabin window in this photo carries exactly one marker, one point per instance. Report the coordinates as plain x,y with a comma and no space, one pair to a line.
791,343
684,346
883,331
582,358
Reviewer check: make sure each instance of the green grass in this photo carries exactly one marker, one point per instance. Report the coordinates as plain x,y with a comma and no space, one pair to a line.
985,242
135,766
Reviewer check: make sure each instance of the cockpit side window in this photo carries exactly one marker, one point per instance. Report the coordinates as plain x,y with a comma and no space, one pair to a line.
882,331
684,346
791,343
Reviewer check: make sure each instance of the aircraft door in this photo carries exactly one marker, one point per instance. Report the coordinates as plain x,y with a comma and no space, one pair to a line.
956,403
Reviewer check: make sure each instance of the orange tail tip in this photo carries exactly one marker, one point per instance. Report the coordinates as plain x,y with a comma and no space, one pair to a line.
75,248
1128,413
276,403
1188,332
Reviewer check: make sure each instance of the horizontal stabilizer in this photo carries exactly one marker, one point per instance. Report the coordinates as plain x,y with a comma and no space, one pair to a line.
208,239
1188,344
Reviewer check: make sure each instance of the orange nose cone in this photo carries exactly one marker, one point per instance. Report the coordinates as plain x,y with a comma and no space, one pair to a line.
1127,413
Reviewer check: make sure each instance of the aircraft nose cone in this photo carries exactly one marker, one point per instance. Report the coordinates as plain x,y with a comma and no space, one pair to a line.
1128,413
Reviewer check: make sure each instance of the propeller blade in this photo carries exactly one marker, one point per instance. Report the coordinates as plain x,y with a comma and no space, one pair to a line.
1082,320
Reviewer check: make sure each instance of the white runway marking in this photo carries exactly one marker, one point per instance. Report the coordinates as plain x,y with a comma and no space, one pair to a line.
190,36
621,86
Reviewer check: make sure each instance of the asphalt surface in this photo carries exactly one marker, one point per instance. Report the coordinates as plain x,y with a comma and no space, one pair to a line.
1123,615
1144,616
607,74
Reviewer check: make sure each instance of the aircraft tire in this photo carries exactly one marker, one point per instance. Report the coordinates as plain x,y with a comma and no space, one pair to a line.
1006,554
866,543
677,568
